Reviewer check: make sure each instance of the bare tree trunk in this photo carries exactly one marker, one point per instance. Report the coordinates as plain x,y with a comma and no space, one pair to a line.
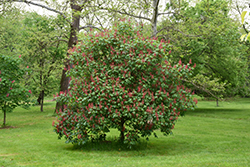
74,29
155,16
42,99
4,118
39,98
122,136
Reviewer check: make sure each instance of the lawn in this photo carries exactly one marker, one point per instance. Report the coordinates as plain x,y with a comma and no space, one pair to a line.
208,136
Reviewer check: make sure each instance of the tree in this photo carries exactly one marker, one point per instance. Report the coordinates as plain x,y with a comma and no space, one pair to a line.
12,94
42,41
122,80
44,48
245,35
9,31
207,36
147,12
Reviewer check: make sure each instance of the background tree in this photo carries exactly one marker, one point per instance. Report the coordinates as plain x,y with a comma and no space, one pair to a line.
44,49
241,10
10,31
204,33
12,94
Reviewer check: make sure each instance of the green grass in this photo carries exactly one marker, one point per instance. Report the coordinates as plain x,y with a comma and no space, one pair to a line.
208,136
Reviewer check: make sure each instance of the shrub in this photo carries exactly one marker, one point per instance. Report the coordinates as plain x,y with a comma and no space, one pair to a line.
121,80
12,94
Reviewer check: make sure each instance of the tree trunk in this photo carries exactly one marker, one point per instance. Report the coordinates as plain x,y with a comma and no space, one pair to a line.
4,118
64,87
155,16
122,136
74,29
217,102
39,98
42,99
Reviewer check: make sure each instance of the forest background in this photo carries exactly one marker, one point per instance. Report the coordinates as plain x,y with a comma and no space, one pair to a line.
205,32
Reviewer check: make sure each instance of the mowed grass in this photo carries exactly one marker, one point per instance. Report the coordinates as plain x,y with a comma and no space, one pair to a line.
208,136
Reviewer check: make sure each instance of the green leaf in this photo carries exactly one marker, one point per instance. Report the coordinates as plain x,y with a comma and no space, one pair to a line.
243,16
243,37
247,37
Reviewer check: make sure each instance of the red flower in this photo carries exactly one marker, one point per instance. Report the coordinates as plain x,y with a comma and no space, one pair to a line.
13,81
30,91
7,95
0,79
190,61
139,89
19,56
194,65
144,79
180,62
157,116
27,66
195,100
173,127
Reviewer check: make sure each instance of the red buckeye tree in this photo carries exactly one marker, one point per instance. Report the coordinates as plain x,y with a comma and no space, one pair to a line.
122,80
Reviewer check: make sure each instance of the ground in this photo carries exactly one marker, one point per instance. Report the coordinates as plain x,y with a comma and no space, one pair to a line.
208,136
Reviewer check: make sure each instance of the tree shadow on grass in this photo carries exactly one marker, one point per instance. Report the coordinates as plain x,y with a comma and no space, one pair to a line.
243,114
214,110
110,145
156,147
234,114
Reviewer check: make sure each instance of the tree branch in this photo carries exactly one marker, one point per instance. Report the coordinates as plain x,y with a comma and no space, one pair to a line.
203,89
178,31
99,21
122,12
89,26
238,10
165,13
43,6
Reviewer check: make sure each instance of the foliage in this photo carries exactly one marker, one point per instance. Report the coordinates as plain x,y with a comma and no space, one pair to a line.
205,33
41,42
12,94
43,48
122,80
10,32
